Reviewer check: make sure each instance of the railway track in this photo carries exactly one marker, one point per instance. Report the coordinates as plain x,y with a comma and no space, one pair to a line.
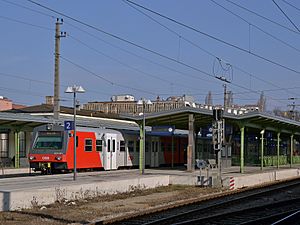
256,206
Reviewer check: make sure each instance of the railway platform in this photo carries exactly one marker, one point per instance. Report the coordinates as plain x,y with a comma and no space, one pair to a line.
19,189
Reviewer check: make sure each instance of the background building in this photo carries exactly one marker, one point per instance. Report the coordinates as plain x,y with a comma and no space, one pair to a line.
7,104
121,104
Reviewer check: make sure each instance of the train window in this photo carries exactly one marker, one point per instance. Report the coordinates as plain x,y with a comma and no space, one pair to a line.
147,146
122,146
114,145
108,145
77,141
88,145
130,146
137,149
162,147
99,145
48,142
169,147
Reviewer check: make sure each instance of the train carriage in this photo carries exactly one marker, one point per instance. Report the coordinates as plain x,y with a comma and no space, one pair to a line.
52,149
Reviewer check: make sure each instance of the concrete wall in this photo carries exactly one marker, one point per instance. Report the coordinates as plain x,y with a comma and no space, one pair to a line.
25,199
260,178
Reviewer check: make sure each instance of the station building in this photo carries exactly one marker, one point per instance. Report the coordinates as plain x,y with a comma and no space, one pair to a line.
252,138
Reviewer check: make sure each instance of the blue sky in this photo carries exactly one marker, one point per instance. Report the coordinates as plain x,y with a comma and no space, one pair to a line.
27,52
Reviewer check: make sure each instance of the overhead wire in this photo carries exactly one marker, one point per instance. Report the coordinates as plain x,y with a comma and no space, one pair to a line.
127,65
286,2
22,22
281,10
263,17
160,54
129,52
215,38
257,27
25,23
65,15
140,56
182,37
44,82
105,79
283,42
30,9
185,40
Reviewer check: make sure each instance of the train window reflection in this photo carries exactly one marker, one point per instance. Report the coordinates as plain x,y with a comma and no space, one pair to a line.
122,146
130,146
99,145
50,142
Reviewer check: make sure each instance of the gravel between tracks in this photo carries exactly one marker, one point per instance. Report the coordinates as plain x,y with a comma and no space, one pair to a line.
83,211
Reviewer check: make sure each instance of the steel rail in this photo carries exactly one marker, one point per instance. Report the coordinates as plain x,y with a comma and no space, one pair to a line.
245,216
182,211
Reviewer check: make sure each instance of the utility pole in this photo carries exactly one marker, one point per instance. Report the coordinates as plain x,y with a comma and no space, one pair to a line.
225,96
58,35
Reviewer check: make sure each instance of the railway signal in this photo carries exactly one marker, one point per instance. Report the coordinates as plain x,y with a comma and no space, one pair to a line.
218,129
218,137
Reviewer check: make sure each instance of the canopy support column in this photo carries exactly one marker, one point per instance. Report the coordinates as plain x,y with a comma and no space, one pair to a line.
141,159
278,148
242,129
262,149
17,150
191,145
292,150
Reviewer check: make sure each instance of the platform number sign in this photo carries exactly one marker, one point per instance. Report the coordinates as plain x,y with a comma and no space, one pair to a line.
69,125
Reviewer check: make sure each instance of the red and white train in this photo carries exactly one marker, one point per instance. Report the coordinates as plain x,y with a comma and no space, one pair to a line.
52,149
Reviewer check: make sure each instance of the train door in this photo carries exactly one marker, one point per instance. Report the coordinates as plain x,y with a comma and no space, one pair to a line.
154,153
100,149
147,152
130,152
121,156
111,152
136,159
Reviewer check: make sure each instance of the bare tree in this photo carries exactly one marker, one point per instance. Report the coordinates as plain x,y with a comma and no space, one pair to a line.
262,103
208,99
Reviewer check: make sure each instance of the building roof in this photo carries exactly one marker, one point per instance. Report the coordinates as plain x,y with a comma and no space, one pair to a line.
46,108
33,116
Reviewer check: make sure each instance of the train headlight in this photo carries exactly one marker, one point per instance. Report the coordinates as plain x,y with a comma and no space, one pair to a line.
58,158
31,158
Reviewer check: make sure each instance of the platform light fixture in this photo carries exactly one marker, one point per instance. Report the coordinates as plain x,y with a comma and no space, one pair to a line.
143,103
74,89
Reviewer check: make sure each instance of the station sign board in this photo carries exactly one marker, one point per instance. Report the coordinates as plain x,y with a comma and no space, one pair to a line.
163,130
69,125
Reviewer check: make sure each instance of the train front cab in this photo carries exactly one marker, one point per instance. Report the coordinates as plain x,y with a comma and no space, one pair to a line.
48,149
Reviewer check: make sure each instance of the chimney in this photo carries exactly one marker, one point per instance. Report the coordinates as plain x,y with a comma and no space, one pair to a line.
49,100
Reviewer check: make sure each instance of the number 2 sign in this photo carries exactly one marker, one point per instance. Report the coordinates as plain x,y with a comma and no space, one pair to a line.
69,125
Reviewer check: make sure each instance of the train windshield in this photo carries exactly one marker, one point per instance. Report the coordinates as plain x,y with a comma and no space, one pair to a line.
49,140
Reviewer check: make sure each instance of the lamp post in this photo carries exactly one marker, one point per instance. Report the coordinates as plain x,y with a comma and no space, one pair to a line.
74,89
143,102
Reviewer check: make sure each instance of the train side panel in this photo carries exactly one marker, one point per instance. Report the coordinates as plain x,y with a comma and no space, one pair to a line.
87,155
177,154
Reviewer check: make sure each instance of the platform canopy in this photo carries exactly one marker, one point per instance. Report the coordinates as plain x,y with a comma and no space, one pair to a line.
265,121
203,117
21,120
